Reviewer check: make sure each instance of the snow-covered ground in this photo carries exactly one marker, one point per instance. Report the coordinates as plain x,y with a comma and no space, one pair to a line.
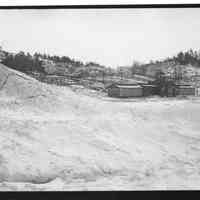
54,138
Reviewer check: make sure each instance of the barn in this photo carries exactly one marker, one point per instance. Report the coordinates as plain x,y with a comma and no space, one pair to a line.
125,90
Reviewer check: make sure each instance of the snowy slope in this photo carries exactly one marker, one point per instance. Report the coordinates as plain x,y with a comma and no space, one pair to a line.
55,139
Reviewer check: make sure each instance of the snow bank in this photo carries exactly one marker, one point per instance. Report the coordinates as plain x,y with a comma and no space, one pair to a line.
52,138
26,91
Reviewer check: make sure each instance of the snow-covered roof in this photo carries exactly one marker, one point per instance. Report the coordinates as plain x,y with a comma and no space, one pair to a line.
147,85
185,86
129,86
125,86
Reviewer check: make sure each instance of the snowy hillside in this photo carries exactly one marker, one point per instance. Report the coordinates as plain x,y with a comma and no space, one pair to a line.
52,138
168,68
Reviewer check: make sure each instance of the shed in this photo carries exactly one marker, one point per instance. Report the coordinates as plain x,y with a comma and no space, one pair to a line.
148,89
125,90
184,90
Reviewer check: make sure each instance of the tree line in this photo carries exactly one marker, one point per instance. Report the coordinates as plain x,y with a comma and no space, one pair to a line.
25,62
183,58
189,57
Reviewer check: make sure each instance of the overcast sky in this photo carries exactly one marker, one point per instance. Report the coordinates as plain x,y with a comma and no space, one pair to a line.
111,37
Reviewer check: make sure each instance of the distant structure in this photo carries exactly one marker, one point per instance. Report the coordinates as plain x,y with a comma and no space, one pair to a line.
165,86
148,89
49,66
125,90
185,90
174,85
124,71
172,90
131,90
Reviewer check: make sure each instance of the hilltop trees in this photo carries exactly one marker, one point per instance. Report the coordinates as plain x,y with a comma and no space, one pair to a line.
188,57
23,62
27,63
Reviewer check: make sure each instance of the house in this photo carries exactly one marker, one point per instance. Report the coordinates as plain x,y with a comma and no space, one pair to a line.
125,90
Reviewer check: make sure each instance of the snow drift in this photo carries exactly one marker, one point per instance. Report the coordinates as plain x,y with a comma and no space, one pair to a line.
54,138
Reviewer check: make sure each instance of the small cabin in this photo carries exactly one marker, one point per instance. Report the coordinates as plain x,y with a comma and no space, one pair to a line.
125,90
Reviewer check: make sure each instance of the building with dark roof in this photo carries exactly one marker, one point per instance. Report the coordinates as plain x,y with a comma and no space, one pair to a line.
125,90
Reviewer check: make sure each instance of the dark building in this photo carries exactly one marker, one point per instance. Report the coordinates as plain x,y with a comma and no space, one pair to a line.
184,90
125,90
168,89
148,90
172,90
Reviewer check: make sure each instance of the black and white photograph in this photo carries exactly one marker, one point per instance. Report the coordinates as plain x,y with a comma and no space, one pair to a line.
100,99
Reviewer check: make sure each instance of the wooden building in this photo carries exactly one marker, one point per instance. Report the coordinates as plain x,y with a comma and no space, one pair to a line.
148,90
125,90
184,90
168,89
172,90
